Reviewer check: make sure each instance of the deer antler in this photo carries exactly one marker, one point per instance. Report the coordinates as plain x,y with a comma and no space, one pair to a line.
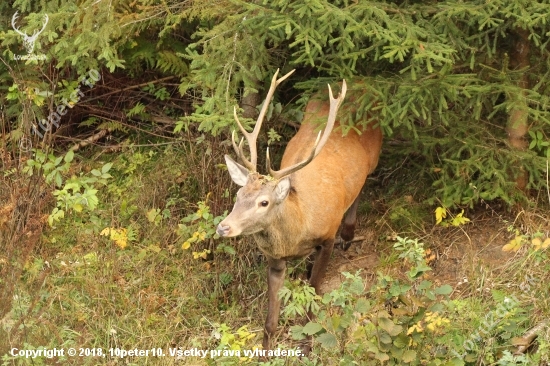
252,136
13,19
318,146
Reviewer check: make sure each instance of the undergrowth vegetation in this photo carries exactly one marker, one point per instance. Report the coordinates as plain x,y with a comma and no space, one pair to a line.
133,263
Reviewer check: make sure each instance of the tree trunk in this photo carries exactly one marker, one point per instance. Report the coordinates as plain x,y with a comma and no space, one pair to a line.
250,101
518,122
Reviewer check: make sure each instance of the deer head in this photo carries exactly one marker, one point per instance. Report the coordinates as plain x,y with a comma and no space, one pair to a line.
28,41
259,198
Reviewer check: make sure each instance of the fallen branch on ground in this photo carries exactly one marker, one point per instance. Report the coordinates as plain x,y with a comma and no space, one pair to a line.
530,336
90,140
356,239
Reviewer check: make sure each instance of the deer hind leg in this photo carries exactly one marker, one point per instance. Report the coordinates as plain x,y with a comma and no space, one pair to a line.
322,256
275,280
348,227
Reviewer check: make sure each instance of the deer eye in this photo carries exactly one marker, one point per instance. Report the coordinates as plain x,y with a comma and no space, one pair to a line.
264,203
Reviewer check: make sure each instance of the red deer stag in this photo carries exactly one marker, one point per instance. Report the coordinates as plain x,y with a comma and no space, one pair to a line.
297,210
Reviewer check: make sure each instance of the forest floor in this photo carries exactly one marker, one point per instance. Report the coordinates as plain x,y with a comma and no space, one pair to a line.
457,254
72,285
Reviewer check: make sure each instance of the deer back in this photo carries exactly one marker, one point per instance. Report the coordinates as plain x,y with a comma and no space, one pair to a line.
326,187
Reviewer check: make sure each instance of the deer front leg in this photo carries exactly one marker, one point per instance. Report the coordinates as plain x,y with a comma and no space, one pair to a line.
322,256
275,280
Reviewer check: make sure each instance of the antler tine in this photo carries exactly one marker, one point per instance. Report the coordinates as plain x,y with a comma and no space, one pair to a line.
240,153
251,137
287,171
13,19
333,111
318,146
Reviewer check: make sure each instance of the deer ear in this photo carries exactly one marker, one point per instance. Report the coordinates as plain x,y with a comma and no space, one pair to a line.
238,173
282,189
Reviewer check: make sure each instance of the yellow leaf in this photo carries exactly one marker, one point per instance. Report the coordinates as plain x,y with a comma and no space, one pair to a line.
440,214
155,248
428,256
119,236
121,243
203,254
77,207
513,245
417,327
460,220
537,243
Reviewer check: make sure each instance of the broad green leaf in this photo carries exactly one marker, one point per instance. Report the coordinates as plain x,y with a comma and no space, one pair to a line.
228,249
389,326
443,290
312,328
69,156
362,306
409,356
401,341
105,168
381,356
455,362
327,340
152,214
385,338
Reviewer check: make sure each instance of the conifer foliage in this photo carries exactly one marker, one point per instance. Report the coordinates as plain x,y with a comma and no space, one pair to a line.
463,83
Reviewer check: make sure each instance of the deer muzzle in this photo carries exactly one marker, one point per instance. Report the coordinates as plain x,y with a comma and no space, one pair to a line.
223,230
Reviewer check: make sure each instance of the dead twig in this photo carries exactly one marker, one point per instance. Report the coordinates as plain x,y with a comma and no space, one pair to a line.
530,336
356,239
129,88
547,185
90,140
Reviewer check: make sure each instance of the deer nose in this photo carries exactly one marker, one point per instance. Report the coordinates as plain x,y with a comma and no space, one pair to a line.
223,230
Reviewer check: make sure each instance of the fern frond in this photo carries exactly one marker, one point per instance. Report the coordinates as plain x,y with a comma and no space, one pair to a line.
137,109
170,62
88,122
113,126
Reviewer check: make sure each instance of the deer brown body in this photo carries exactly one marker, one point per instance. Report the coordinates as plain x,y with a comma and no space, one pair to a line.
297,211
